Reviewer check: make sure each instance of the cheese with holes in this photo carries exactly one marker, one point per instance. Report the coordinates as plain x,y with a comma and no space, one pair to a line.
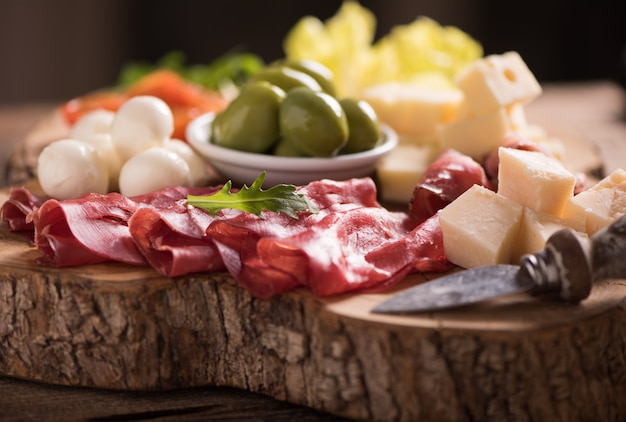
401,170
413,110
497,81
535,180
480,227
476,136
598,206
535,229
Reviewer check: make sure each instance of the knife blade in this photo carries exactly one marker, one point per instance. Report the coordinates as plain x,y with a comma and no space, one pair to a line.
567,267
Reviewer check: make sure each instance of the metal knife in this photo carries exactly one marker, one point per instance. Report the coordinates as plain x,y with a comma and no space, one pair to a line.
566,268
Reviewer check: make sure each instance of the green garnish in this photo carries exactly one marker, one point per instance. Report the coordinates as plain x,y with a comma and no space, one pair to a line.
279,198
231,67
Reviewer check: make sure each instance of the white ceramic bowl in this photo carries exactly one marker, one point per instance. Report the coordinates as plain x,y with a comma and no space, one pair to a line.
245,167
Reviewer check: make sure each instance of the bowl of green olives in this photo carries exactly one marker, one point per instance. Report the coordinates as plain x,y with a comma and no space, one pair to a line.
244,167
288,122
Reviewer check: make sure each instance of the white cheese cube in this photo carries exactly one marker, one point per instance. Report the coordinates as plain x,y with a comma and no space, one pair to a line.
413,110
598,206
477,136
517,117
497,81
399,172
480,228
535,229
535,180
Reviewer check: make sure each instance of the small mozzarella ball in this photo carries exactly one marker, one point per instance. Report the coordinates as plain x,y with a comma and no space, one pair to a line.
199,171
69,169
104,146
92,125
140,123
94,128
152,170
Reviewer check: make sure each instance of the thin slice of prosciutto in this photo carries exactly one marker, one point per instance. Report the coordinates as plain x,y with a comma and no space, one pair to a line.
171,235
87,230
17,210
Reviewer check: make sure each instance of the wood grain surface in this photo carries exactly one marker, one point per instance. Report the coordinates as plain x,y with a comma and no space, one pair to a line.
127,329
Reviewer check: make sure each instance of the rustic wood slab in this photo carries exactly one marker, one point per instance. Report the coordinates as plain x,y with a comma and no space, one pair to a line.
120,327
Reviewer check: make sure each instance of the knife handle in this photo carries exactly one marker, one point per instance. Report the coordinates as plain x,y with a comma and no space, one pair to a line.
563,266
608,251
570,264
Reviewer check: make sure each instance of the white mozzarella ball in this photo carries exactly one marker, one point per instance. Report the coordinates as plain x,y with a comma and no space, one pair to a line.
69,169
198,168
95,129
92,125
140,123
152,170
104,146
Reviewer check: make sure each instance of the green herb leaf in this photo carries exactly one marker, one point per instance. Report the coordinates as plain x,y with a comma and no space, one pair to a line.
279,198
233,67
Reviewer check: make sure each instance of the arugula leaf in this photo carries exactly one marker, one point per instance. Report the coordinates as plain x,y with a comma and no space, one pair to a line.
279,198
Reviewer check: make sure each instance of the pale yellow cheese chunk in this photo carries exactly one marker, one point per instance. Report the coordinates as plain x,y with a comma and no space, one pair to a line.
598,206
480,228
535,229
476,136
413,110
535,180
399,171
497,81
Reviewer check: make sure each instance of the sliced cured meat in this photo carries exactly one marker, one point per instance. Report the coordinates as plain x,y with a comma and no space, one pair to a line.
16,211
445,179
87,230
351,244
171,235
335,251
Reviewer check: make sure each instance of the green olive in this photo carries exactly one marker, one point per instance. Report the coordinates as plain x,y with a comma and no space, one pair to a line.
363,125
284,148
250,122
323,75
313,122
286,78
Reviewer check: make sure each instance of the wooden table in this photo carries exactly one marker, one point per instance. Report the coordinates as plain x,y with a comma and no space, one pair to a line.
591,111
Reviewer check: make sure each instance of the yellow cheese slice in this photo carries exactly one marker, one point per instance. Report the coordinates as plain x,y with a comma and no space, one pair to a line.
535,180
480,227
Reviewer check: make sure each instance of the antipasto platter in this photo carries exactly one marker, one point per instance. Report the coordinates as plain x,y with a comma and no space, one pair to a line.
69,316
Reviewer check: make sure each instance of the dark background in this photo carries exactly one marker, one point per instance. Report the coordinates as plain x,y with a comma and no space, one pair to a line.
51,50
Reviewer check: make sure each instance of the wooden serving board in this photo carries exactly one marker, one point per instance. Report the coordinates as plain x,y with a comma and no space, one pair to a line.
121,327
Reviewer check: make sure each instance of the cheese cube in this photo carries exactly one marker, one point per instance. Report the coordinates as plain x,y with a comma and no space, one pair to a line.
535,229
517,117
598,206
480,228
413,110
477,136
401,170
497,81
535,180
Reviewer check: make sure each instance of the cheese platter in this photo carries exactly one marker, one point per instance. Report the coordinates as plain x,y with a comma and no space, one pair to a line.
70,317
122,327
